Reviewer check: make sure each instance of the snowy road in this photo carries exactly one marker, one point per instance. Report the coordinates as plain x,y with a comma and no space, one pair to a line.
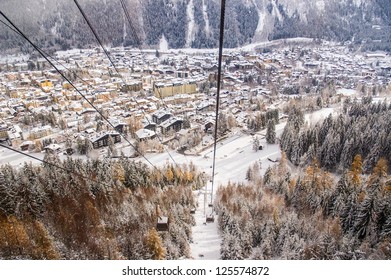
15,159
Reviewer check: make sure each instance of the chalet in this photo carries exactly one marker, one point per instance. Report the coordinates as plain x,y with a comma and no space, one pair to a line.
160,116
173,123
206,106
14,133
145,134
89,131
119,126
235,110
52,149
208,125
26,145
102,139
150,126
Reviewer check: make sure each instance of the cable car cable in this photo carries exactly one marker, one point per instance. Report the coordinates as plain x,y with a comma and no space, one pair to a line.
221,42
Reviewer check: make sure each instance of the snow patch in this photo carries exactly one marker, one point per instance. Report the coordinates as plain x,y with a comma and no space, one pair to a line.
358,2
320,115
190,26
346,91
261,22
276,11
320,5
53,30
206,18
163,44
206,237
125,32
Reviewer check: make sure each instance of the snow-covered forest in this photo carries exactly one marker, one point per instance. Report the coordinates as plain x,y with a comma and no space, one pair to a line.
362,128
95,210
310,215
303,211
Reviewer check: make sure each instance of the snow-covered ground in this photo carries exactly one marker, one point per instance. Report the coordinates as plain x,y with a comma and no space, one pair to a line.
206,237
190,28
206,18
317,116
15,159
163,44
347,92
234,155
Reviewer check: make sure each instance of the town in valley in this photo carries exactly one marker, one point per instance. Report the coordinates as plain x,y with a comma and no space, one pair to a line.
165,100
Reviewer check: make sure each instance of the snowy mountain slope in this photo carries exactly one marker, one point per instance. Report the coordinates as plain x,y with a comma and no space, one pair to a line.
195,23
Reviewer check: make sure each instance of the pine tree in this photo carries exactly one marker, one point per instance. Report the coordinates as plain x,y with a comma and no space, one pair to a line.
364,216
222,123
155,245
88,147
112,151
271,132
267,176
256,144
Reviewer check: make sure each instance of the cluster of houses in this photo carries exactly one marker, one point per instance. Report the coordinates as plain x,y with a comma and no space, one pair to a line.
163,93
296,65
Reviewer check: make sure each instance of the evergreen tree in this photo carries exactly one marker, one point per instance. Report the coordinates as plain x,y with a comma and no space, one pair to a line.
256,144
88,147
271,132
222,124
111,151
7,194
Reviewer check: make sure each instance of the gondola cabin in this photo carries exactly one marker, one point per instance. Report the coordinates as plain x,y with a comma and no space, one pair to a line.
210,218
162,223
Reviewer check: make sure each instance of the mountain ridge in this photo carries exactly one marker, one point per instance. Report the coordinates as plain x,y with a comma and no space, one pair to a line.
195,23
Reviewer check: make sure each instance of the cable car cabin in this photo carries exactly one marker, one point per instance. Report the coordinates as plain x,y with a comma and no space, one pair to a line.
162,223
210,218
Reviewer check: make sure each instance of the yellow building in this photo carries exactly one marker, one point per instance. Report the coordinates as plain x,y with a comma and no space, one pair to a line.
46,85
162,90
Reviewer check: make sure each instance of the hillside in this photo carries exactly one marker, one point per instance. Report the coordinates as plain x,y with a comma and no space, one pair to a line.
195,23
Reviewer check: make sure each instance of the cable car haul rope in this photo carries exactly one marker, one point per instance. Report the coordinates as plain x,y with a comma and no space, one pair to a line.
219,70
